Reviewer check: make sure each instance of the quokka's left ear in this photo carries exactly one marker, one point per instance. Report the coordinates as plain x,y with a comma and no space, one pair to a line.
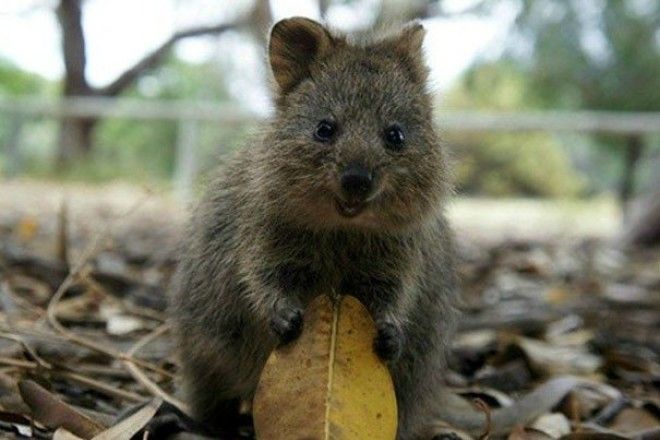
406,45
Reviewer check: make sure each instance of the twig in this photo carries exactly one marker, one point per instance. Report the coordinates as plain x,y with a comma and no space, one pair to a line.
101,387
85,369
6,289
483,407
63,234
78,378
143,379
131,309
81,379
72,278
33,354
143,312
100,370
18,363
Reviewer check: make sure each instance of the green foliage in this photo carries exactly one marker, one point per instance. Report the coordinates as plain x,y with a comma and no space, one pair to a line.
592,54
570,54
130,149
15,82
500,85
531,165
133,150
527,164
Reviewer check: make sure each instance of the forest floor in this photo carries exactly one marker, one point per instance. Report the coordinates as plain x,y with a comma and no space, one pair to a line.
548,291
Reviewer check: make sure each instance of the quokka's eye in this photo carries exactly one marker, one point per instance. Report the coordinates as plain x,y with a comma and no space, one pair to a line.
325,131
395,138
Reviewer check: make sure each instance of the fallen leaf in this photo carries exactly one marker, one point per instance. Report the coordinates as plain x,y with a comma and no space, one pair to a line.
457,411
552,360
63,434
54,413
27,228
132,424
491,396
121,325
554,425
593,436
521,433
631,420
17,422
329,383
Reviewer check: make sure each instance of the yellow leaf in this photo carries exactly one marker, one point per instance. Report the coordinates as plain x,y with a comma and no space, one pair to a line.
27,228
329,384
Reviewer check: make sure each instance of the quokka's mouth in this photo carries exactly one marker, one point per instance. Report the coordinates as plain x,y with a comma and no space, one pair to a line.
349,209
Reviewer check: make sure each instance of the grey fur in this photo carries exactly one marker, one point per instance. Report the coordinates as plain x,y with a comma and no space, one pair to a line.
267,235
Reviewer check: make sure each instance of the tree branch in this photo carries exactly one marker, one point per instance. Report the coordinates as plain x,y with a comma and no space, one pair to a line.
324,5
401,12
154,58
438,9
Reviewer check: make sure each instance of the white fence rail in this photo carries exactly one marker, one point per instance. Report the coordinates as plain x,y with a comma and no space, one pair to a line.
188,114
125,108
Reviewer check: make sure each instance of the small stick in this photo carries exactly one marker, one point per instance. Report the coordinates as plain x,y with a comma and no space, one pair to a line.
41,362
143,378
483,407
78,378
101,387
63,234
71,279
18,363
5,289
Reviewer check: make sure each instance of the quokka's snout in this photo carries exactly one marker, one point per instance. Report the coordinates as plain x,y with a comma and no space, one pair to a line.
357,184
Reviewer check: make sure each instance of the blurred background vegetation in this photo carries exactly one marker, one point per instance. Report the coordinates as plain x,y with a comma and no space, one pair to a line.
546,55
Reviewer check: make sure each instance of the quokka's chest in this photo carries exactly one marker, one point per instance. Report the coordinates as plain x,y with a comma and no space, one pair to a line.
338,265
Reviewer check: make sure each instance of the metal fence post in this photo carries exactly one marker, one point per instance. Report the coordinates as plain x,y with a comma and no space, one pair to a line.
186,159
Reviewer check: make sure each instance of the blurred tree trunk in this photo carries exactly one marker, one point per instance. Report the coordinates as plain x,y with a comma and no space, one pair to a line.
633,152
643,225
76,135
74,140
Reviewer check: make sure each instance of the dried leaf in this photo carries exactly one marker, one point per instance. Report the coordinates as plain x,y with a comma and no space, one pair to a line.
456,411
63,434
132,424
554,360
521,433
630,420
27,228
121,325
16,422
593,436
329,383
54,413
555,425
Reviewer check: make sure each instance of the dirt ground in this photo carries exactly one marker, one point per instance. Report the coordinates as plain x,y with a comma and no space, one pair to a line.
474,219
548,291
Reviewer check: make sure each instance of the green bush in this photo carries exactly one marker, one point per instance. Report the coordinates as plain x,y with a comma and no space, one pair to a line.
531,165
495,164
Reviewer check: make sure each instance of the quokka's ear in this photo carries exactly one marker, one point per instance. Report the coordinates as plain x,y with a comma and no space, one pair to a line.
295,44
406,45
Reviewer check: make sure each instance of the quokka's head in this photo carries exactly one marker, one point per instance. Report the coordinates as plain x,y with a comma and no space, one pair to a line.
352,144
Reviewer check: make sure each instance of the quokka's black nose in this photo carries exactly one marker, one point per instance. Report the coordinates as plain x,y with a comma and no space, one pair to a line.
356,182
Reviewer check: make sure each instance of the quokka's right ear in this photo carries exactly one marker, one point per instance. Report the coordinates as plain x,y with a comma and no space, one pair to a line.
295,44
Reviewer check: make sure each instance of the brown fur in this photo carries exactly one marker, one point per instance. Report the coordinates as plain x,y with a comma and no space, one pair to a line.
268,236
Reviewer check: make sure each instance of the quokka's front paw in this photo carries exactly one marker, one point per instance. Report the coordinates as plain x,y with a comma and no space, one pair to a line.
287,323
388,343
